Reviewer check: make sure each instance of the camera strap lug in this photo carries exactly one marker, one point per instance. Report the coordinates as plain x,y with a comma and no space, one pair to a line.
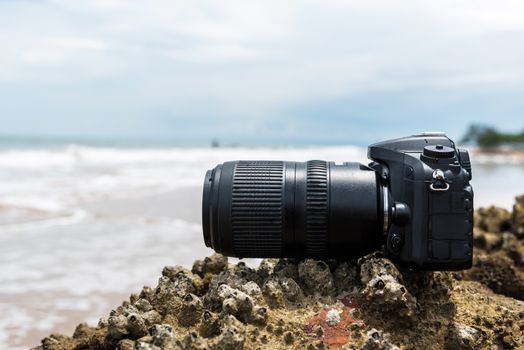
439,183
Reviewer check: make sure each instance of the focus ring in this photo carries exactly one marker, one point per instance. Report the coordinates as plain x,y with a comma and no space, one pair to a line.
316,208
256,208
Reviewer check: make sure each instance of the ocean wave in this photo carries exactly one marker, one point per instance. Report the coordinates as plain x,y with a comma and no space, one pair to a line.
30,223
73,155
57,181
497,159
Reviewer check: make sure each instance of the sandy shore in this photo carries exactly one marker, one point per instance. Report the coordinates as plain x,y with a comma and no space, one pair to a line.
56,277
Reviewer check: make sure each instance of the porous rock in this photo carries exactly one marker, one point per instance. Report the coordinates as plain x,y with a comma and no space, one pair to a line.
518,217
345,276
231,336
175,283
378,340
162,335
286,268
316,276
273,294
463,337
190,310
266,267
291,290
253,290
493,219
236,302
499,273
117,326
383,289
193,341
213,264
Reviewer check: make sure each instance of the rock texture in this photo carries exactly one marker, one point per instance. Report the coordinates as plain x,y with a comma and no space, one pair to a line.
311,304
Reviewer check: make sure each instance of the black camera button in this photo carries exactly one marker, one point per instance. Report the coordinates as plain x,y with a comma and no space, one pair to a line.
468,192
396,242
468,225
468,204
465,160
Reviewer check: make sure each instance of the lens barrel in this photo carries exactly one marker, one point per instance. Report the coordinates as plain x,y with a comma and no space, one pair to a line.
293,209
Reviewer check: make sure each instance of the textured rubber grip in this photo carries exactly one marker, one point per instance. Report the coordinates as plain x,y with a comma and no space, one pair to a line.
256,208
317,210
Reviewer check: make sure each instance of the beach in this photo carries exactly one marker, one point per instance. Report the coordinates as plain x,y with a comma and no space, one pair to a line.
81,227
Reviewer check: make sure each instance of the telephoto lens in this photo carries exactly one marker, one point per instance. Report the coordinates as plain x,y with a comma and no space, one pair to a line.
294,209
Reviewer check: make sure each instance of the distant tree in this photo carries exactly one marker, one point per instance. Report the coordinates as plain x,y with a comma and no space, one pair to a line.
483,135
488,137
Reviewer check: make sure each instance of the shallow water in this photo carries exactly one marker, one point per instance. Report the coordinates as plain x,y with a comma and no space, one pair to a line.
82,227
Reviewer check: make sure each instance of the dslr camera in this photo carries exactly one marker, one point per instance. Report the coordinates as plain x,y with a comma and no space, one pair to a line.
413,200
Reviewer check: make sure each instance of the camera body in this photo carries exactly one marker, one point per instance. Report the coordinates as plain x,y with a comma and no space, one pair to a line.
430,224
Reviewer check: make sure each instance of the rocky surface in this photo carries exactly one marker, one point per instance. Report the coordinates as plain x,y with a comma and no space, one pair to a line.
365,304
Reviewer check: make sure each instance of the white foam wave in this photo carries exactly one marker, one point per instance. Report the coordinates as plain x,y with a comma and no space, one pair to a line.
74,156
58,181
76,216
33,202
498,159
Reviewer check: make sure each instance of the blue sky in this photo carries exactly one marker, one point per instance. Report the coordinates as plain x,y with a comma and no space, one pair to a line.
267,72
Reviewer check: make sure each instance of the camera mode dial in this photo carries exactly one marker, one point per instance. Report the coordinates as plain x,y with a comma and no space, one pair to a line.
439,151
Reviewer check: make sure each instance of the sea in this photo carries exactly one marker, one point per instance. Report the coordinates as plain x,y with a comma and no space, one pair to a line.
83,226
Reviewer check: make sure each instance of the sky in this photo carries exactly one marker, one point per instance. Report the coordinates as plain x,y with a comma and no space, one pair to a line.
259,72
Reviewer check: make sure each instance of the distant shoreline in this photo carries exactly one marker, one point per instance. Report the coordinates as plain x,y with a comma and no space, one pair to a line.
498,156
499,150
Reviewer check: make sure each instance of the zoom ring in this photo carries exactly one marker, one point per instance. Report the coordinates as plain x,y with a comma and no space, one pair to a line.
256,208
316,208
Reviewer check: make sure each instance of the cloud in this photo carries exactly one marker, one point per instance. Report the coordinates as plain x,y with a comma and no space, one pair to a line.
260,62
337,43
216,54
59,50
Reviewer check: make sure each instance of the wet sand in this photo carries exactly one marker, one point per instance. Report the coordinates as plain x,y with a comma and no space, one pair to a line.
55,278
33,317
